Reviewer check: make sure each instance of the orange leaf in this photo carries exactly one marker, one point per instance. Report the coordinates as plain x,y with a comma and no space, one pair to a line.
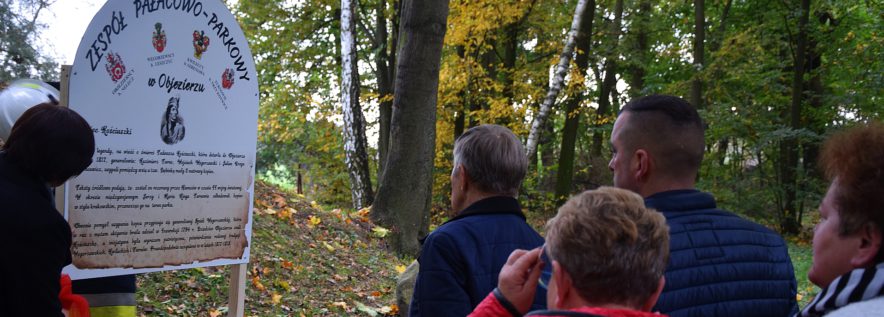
256,281
279,200
376,294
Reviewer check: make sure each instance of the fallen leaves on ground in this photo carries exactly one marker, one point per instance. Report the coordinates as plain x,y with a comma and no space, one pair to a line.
304,262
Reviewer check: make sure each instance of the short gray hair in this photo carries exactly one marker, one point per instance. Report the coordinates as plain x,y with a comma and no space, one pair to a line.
493,157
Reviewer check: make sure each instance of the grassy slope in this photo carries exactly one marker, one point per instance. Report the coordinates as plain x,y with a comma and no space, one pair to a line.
304,261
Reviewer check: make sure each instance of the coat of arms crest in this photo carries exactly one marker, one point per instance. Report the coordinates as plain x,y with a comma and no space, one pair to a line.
115,67
159,38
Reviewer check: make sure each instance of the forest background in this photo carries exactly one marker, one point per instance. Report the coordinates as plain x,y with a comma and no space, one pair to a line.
351,118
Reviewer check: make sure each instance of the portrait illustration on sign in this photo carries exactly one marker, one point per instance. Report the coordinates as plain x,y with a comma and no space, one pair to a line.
172,127
200,43
159,38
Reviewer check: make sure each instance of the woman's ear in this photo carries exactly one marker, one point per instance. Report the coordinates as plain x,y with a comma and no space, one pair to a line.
563,285
870,243
651,301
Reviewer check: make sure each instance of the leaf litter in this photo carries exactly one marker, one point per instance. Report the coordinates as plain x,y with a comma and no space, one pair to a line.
304,262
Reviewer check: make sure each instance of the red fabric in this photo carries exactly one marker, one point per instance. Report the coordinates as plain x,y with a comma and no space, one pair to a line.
489,307
612,312
76,305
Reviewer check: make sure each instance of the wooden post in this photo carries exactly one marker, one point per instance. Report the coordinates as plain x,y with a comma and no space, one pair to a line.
237,291
64,84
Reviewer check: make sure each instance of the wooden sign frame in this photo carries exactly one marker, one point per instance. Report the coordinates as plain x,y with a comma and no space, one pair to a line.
237,286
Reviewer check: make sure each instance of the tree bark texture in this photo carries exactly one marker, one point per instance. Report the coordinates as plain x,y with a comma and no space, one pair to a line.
383,65
355,144
403,199
636,73
565,172
789,220
557,81
609,83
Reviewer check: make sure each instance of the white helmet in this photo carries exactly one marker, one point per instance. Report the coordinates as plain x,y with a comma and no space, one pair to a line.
20,96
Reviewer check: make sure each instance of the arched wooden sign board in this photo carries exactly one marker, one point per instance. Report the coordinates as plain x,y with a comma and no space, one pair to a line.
170,90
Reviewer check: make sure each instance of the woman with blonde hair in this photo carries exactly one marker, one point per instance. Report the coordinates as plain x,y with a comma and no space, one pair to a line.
608,253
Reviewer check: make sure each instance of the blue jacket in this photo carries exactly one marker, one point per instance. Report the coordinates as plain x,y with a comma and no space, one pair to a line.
460,260
721,264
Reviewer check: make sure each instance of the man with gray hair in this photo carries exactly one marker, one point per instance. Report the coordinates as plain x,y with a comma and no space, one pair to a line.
460,261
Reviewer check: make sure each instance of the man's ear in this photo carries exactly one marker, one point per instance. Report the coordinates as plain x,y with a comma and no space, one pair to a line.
464,177
641,164
651,301
563,285
870,243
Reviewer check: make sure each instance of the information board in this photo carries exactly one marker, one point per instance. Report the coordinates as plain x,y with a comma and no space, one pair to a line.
170,90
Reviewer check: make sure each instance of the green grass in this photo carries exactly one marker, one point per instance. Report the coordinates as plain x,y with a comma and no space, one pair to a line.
801,253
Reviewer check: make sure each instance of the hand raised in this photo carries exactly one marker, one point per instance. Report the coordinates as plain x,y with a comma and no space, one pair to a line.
518,278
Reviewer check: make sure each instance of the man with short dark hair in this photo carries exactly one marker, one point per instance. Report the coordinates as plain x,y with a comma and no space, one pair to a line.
720,264
460,261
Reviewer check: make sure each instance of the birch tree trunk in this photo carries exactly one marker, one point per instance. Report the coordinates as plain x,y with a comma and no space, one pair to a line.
565,172
405,189
354,123
557,82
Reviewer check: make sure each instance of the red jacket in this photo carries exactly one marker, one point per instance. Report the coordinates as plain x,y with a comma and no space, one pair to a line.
492,306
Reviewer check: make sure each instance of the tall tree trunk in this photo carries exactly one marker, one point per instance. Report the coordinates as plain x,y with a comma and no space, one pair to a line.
699,58
789,220
383,65
403,200
565,173
510,46
354,123
557,81
714,45
814,122
641,26
464,94
607,84
811,148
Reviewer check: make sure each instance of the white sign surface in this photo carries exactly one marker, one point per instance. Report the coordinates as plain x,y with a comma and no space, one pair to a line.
170,90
